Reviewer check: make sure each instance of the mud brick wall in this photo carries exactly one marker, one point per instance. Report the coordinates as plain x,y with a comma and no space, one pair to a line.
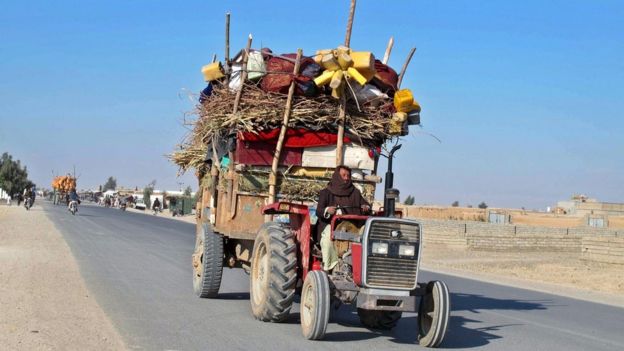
501,237
606,249
594,244
450,233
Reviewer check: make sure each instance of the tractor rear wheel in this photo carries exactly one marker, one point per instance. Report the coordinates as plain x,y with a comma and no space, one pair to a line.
433,314
207,262
273,273
379,319
315,302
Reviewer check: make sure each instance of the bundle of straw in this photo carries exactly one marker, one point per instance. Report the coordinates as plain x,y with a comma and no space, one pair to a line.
259,110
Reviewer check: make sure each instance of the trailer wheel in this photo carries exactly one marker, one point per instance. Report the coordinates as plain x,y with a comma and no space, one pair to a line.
207,262
273,273
433,314
315,302
379,319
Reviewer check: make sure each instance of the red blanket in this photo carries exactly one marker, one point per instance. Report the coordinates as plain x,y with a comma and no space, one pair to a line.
294,137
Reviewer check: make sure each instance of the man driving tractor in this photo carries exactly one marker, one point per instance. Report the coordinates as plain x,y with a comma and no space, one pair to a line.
339,197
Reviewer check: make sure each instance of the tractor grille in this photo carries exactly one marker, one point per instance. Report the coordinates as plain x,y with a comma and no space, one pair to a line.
382,229
392,270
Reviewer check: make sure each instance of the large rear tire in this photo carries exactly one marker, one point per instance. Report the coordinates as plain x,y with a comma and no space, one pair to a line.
273,273
315,303
433,314
379,319
207,262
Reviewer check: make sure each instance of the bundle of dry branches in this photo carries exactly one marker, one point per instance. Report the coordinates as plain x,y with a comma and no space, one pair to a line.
259,110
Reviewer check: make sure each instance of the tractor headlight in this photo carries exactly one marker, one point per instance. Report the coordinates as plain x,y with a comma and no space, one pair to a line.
407,250
380,248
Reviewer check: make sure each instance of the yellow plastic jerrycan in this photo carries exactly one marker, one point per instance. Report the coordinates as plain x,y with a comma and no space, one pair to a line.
212,71
404,100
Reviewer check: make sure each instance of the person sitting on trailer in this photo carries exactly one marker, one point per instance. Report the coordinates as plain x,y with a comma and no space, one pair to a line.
340,197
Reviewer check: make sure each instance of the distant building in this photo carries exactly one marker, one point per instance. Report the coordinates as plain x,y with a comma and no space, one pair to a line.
581,205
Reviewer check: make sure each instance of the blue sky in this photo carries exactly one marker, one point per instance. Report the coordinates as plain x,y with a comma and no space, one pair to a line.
527,97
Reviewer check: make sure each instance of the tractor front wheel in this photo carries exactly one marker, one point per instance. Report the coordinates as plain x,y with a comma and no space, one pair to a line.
273,273
433,314
315,302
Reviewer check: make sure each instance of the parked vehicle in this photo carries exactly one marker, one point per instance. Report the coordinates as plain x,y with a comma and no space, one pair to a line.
140,205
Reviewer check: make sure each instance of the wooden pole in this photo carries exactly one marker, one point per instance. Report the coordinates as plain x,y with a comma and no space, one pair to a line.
341,123
227,48
282,135
227,38
407,61
350,24
243,74
388,51
239,93
343,99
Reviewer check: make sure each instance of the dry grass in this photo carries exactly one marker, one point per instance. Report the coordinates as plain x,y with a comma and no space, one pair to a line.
258,110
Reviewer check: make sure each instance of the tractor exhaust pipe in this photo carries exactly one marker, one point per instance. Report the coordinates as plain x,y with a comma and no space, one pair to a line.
391,195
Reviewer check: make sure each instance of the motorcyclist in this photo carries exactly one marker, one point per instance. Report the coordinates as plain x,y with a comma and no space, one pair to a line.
156,206
33,194
340,197
28,196
73,197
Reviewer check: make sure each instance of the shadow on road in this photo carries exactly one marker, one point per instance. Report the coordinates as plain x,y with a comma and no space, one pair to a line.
234,296
462,332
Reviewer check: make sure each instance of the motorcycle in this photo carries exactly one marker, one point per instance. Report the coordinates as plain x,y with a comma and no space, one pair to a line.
156,210
73,207
122,206
27,203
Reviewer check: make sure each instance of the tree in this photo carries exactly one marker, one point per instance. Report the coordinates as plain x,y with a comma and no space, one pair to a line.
188,191
111,184
13,177
409,200
483,205
455,203
147,193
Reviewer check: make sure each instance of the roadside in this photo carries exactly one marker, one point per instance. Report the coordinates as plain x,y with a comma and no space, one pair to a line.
551,272
44,301
188,218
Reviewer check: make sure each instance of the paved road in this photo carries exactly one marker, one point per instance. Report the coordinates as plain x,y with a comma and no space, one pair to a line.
139,268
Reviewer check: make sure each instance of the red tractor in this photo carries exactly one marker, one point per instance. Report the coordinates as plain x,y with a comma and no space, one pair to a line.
379,256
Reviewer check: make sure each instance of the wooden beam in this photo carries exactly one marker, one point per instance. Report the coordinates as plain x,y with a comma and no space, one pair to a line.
239,92
341,126
282,135
350,24
388,51
407,61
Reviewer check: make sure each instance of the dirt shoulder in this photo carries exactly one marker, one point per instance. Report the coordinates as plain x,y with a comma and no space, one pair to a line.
44,301
552,272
